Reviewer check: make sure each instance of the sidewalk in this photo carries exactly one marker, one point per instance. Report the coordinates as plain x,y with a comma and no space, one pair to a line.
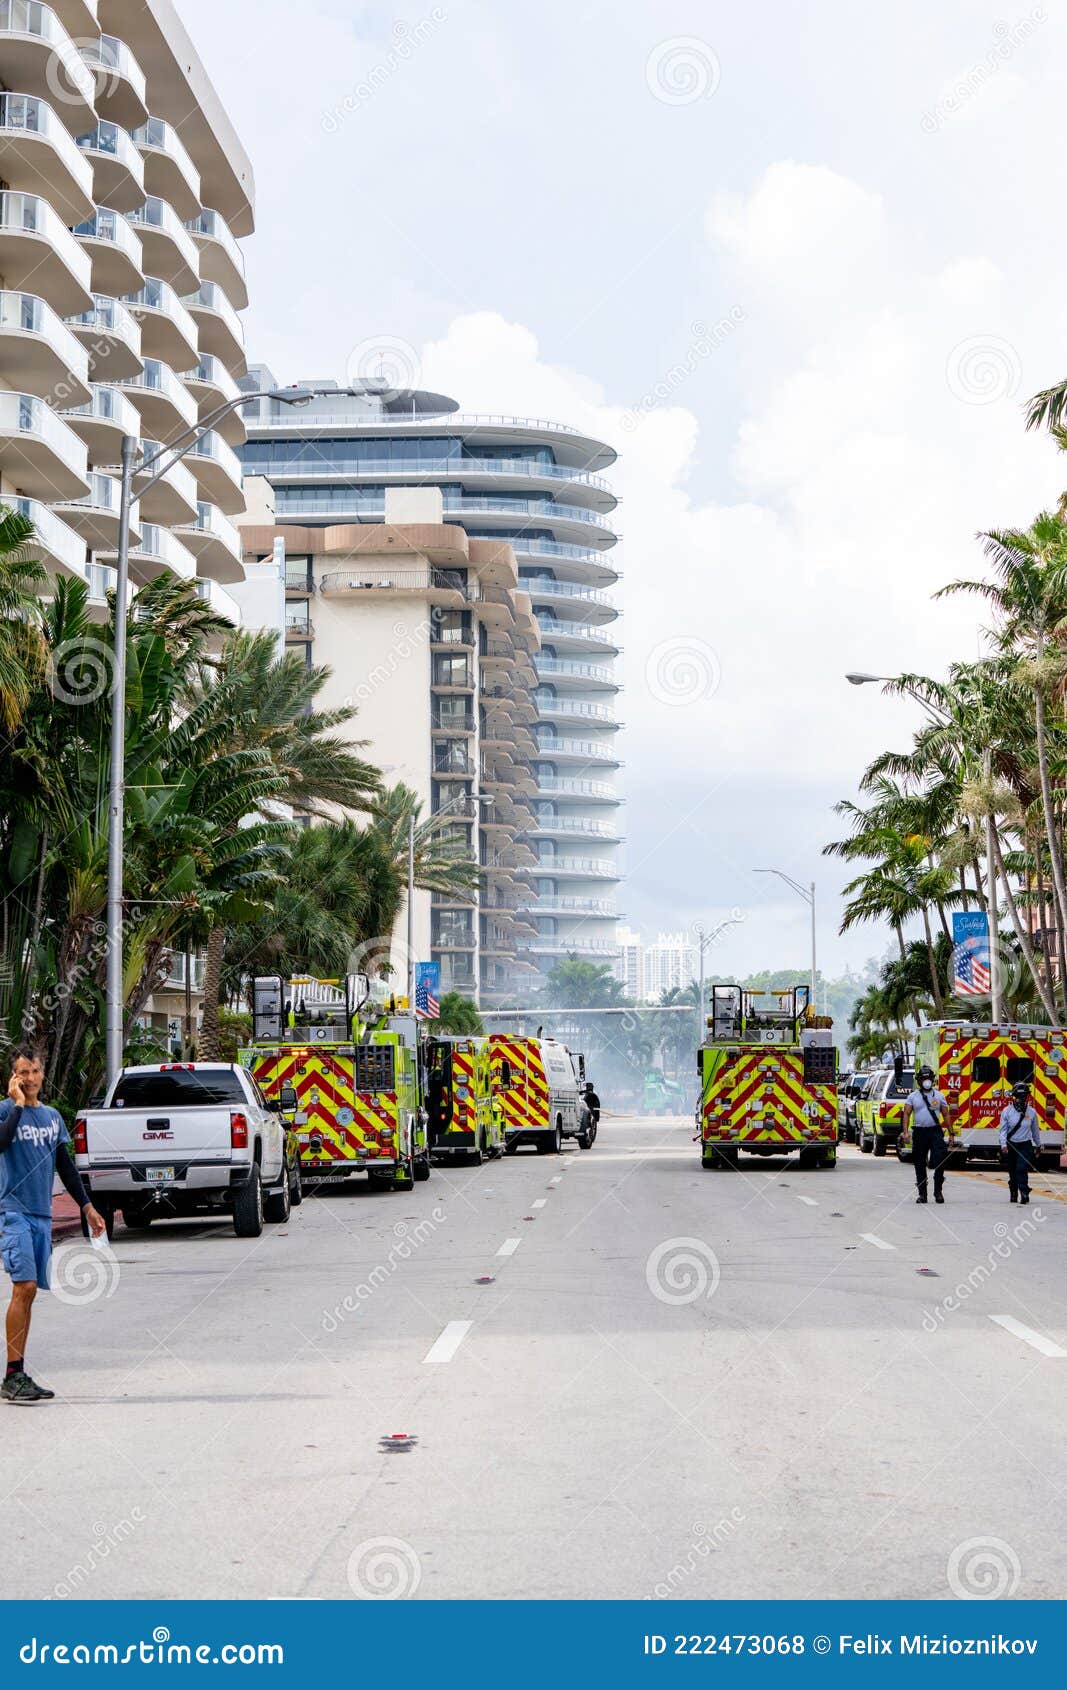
66,1221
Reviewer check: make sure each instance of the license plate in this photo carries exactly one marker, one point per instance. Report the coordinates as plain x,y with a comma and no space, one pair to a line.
159,1176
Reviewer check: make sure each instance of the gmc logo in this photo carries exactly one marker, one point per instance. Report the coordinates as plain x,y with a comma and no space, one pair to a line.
150,1136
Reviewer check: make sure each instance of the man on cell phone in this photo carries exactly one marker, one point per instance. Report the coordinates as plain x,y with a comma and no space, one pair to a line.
33,1149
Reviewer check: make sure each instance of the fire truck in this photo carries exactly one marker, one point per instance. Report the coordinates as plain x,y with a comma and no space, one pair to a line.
768,1071
464,1119
347,1071
976,1064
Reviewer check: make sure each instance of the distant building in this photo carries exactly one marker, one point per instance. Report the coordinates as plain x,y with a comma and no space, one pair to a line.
671,964
630,963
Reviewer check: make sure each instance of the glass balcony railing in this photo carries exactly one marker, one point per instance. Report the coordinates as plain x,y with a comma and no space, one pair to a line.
33,116
54,536
115,142
577,788
211,226
26,311
159,378
544,586
108,404
114,59
102,581
30,17
211,446
211,521
111,226
110,316
161,137
595,750
22,413
212,372
210,297
563,667
155,213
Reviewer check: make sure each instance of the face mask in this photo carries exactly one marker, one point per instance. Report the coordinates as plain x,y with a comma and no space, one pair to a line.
928,1085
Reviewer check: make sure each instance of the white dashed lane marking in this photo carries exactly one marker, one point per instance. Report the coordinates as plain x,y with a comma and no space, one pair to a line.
509,1246
445,1347
538,1202
812,1202
1036,1340
879,1243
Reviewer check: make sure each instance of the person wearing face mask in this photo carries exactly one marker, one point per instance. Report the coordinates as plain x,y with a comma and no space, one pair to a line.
929,1110
1020,1138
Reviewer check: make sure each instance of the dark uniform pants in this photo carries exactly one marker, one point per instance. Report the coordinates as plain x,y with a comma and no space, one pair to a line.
1020,1163
929,1150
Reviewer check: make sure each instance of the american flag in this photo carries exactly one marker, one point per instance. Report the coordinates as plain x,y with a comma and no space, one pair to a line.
971,968
427,1006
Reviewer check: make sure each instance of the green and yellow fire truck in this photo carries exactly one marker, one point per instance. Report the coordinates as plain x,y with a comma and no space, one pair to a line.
768,1071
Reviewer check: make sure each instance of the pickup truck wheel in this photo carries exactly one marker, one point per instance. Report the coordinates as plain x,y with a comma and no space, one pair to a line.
248,1206
277,1204
296,1186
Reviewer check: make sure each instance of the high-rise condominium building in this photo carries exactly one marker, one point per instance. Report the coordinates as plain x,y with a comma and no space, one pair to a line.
530,489
670,964
123,190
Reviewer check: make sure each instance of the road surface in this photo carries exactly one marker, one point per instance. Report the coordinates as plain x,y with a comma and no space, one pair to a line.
617,1376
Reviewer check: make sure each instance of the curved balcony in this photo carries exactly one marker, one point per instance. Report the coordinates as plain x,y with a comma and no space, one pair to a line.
581,791
114,251
578,868
578,637
54,545
548,904
212,385
572,673
173,498
38,353
120,81
569,520
39,453
563,944
95,516
37,52
169,251
570,596
488,473
571,563
166,408
549,709
39,156
221,259
220,329
218,473
103,422
578,751
564,827
118,169
168,169
78,18
215,543
155,552
37,248
111,338
167,330
488,428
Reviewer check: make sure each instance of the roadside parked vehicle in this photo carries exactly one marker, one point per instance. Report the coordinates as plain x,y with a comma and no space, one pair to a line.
880,1108
464,1118
975,1066
849,1091
186,1138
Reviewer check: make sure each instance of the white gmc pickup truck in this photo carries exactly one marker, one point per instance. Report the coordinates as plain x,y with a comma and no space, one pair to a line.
182,1139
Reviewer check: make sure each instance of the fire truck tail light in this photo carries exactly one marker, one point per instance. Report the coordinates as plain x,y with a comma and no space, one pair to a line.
238,1130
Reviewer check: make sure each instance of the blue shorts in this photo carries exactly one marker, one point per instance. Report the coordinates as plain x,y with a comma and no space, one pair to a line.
26,1246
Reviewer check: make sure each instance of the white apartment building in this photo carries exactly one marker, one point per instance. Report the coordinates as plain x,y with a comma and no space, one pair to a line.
630,963
535,487
123,193
647,971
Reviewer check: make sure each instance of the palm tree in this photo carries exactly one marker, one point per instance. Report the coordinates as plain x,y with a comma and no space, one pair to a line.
443,862
22,647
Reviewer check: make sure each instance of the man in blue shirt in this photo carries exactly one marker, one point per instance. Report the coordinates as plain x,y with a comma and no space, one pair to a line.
928,1109
1020,1137
33,1149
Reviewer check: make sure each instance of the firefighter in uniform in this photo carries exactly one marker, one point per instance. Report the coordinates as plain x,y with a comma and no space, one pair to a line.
928,1108
1020,1138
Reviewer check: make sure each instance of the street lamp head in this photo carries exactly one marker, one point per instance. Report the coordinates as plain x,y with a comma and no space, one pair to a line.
287,395
856,679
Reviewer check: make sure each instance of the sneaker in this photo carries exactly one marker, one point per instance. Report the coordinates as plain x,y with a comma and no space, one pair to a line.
20,1389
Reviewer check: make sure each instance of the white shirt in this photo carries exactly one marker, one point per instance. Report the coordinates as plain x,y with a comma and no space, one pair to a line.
1020,1125
928,1108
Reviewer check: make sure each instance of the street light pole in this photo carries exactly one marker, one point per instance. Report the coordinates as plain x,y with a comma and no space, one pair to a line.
704,940
808,894
467,797
165,459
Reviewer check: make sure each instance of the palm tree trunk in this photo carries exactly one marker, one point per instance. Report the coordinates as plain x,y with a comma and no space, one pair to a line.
1047,806
207,1046
939,1002
1020,931
900,941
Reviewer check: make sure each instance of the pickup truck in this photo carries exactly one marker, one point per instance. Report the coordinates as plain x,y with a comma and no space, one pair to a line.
184,1138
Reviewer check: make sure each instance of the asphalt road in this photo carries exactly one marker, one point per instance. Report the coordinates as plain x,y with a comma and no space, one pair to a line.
674,1383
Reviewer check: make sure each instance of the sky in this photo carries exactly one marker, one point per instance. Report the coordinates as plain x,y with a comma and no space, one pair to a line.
800,263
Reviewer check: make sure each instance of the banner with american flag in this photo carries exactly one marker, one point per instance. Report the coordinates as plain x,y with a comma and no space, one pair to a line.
970,953
427,991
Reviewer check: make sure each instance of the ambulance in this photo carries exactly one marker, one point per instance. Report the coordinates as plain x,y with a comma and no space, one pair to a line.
346,1071
463,1116
768,1079
536,1085
976,1064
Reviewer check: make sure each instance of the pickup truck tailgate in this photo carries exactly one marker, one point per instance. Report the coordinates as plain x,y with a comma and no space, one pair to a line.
132,1135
